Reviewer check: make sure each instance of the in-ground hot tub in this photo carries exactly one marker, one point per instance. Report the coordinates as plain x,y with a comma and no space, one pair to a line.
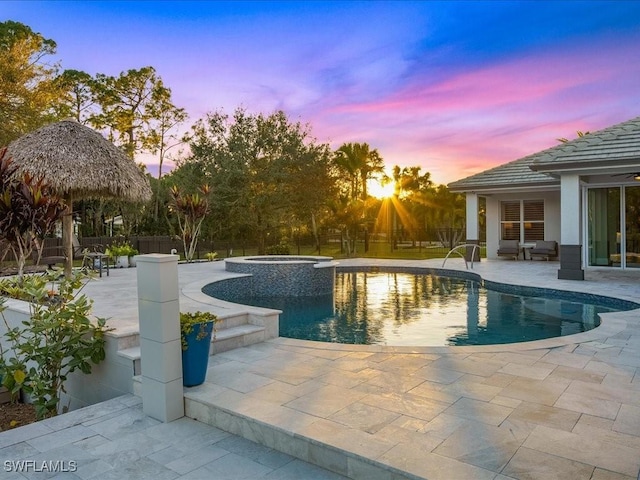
286,275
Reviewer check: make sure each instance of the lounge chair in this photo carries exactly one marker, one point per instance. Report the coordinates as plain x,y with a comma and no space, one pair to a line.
544,249
509,248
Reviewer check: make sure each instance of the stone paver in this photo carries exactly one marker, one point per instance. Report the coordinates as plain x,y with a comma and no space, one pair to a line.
92,443
556,408
566,408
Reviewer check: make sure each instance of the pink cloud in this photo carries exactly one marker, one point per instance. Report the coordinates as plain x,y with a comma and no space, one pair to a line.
481,118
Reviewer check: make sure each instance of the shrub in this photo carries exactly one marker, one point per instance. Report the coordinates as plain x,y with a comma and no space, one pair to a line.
125,249
191,210
29,210
189,321
59,339
280,249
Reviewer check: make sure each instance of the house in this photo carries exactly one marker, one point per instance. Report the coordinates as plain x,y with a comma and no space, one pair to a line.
583,194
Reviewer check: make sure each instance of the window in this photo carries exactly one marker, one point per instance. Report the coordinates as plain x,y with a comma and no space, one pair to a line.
522,220
510,221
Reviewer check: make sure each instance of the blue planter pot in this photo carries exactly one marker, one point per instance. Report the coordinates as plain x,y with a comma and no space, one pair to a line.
195,358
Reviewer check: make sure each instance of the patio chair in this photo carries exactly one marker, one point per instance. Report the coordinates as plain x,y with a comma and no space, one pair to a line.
92,257
509,248
544,249
50,256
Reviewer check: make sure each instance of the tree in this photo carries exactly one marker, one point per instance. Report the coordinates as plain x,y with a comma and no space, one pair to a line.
137,112
28,91
161,136
447,214
410,188
127,102
256,165
191,210
28,211
348,214
164,117
408,180
77,98
360,163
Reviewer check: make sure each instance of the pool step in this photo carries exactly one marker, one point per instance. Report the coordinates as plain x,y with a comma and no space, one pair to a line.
236,337
241,335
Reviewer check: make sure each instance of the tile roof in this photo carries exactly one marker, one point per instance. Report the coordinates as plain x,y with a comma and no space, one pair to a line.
618,145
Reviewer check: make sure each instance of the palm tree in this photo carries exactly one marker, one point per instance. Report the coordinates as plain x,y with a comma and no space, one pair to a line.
361,163
411,188
408,180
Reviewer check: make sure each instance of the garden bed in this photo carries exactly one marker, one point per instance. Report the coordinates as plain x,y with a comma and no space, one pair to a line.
13,415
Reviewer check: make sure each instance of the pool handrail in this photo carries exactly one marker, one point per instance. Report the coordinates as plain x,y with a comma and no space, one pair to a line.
465,245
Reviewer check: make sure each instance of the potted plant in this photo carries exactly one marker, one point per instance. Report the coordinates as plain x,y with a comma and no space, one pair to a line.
211,256
196,333
132,254
120,254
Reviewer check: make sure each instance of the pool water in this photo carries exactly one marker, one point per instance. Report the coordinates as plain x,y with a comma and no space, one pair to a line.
424,310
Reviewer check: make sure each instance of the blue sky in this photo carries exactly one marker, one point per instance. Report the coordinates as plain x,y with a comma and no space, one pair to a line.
455,87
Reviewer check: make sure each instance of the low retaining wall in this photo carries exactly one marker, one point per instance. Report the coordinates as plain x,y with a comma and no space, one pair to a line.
109,379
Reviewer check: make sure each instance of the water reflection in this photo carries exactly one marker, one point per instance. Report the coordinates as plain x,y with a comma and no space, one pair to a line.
407,309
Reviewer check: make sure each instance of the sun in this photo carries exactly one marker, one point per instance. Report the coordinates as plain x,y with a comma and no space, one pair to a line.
376,189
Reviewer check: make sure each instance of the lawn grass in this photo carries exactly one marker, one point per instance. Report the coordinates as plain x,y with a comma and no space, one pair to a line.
376,250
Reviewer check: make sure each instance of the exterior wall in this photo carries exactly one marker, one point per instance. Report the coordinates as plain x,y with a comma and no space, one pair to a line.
111,378
551,216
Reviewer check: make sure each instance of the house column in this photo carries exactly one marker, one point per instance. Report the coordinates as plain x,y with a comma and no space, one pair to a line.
160,347
570,216
473,227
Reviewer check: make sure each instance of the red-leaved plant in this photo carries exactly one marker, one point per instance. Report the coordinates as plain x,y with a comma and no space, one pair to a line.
29,210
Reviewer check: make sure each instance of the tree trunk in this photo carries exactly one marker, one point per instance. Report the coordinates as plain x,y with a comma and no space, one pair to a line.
314,229
67,236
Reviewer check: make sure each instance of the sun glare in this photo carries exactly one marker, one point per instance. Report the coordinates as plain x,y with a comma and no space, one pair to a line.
378,190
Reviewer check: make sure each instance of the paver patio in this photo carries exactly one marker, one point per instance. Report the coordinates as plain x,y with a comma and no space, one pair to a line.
556,408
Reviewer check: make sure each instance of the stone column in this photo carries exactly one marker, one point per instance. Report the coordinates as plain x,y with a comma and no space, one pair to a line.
570,216
473,227
160,349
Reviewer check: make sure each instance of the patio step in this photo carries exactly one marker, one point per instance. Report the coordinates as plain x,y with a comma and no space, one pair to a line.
132,354
343,451
241,335
237,337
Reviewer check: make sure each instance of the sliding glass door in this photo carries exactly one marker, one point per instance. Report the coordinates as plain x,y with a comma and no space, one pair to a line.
614,226
632,226
604,226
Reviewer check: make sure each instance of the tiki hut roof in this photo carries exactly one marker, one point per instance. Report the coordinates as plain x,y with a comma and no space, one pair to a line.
79,162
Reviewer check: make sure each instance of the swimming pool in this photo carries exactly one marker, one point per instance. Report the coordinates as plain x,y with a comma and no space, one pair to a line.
404,308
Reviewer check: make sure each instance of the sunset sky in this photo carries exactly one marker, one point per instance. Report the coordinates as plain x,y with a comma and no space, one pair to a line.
453,86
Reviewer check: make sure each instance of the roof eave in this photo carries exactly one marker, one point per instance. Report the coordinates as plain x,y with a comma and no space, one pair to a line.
544,167
497,188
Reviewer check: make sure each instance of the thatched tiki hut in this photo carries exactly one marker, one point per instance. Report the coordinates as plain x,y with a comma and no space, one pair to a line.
78,163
